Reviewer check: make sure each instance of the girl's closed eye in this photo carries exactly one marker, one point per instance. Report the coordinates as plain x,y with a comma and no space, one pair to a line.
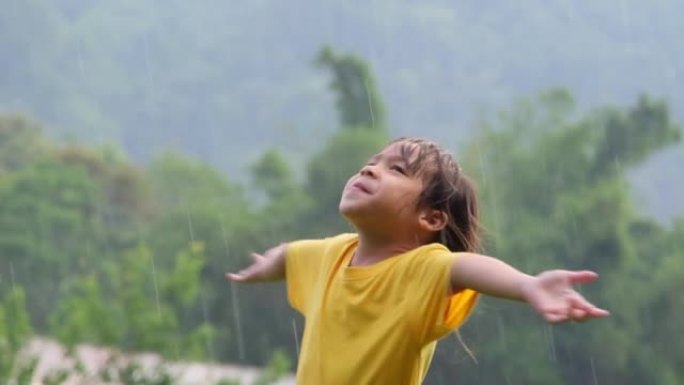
398,168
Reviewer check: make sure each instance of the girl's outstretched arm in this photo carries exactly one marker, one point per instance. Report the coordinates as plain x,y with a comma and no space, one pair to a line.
550,293
269,266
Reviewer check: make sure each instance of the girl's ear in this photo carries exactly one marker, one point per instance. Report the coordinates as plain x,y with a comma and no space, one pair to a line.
433,220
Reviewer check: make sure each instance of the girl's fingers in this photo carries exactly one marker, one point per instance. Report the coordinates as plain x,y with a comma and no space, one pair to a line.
247,274
583,309
555,317
236,277
582,315
578,315
599,313
576,309
591,309
584,276
244,274
578,302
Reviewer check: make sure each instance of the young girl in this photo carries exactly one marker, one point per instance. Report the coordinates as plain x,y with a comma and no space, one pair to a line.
376,302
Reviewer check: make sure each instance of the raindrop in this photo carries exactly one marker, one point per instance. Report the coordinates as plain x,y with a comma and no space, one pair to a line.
234,298
296,336
551,343
191,229
236,319
156,287
502,332
205,315
593,371
370,103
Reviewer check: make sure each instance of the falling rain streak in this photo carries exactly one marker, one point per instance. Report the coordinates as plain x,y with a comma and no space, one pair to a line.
233,297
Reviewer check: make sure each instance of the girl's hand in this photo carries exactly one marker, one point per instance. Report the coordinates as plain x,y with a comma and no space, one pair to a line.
552,295
267,267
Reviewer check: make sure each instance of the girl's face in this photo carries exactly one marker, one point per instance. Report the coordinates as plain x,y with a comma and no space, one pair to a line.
383,195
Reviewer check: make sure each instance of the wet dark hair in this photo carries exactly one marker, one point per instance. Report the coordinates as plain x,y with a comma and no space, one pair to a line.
446,189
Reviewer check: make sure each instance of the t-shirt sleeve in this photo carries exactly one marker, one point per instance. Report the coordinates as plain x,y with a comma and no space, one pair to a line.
306,265
302,261
440,311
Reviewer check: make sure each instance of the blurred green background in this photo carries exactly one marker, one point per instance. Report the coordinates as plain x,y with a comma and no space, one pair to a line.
147,147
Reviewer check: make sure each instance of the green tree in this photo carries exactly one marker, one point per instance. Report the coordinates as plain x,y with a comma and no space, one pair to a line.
59,213
46,226
629,137
138,305
195,203
84,314
272,175
358,101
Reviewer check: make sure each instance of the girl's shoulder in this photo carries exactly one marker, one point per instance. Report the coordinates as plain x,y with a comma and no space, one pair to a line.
426,258
339,242
344,238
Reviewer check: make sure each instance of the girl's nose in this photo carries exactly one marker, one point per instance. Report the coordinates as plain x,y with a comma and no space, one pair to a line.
368,170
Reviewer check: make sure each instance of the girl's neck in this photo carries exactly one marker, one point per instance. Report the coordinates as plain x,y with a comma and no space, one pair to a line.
371,250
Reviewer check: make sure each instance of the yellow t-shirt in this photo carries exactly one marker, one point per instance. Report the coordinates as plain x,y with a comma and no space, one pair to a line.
371,325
